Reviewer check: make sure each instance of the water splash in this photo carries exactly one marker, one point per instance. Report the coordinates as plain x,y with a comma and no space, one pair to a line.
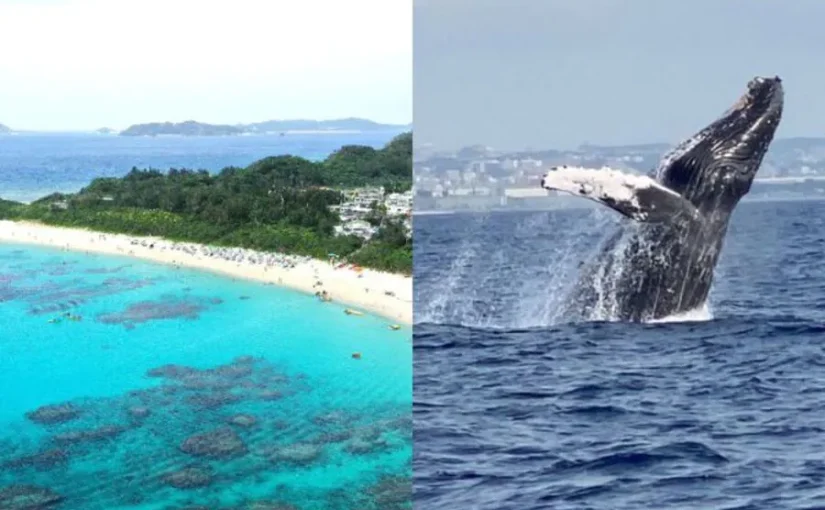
542,294
611,271
449,295
525,276
702,314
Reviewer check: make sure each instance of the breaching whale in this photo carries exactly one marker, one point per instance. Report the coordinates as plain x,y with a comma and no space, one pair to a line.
662,263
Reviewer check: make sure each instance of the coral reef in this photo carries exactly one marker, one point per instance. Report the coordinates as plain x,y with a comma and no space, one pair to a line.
187,441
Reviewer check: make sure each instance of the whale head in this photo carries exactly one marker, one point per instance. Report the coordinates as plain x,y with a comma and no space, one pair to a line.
715,167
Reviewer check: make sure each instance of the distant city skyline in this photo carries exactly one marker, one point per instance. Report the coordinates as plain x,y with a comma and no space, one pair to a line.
554,74
533,150
87,64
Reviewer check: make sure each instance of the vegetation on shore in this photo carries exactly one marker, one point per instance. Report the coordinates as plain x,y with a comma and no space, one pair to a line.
278,204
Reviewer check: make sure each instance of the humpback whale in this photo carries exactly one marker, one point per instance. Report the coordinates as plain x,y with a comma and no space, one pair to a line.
662,262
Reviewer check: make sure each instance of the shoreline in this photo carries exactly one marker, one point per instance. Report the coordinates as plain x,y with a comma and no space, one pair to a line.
367,290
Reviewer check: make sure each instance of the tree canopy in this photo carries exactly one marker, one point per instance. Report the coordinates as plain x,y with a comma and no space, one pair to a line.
279,203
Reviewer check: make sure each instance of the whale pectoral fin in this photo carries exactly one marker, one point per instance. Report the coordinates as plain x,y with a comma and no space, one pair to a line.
638,197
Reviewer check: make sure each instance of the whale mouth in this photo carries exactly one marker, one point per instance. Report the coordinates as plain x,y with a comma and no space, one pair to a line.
764,95
744,132
720,161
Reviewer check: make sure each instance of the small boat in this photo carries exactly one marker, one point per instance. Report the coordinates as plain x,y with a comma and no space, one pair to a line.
395,327
350,311
356,355
54,321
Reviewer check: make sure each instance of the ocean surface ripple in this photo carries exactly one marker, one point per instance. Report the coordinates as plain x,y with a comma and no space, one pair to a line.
516,409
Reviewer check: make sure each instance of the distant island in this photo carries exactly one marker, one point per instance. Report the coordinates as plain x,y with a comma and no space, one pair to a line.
193,128
4,129
349,124
188,128
106,131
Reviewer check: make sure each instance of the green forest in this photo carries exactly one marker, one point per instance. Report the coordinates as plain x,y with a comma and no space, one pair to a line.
277,204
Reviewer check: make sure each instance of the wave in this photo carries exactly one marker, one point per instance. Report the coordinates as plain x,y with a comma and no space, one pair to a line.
700,314
698,326
518,406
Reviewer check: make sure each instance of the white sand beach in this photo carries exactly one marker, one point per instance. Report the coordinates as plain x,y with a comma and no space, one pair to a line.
385,294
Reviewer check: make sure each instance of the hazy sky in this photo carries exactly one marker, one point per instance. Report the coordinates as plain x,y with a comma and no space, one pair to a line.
85,64
557,73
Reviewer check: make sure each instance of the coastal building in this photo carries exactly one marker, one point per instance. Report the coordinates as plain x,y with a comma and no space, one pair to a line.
359,203
363,197
399,204
358,228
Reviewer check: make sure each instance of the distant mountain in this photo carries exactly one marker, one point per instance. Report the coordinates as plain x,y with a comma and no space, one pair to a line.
474,151
106,131
4,129
188,128
640,147
192,128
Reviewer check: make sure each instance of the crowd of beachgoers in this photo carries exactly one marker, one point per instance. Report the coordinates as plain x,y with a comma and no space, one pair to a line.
385,294
237,255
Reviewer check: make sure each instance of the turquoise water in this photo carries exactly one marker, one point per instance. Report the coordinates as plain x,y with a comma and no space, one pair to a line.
329,431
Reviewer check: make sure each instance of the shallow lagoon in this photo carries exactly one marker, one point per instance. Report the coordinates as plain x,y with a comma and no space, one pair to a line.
179,389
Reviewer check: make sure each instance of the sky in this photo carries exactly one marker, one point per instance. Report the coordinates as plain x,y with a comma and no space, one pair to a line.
86,64
547,74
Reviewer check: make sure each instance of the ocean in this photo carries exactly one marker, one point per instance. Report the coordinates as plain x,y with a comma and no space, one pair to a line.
517,408
131,385
35,165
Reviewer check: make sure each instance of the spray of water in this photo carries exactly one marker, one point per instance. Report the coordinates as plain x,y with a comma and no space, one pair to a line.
485,286
606,307
447,297
543,291
611,274
534,304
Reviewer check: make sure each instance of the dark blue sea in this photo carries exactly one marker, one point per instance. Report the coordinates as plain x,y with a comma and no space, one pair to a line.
35,165
516,408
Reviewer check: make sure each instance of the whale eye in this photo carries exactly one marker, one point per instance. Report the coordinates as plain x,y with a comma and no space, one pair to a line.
743,168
